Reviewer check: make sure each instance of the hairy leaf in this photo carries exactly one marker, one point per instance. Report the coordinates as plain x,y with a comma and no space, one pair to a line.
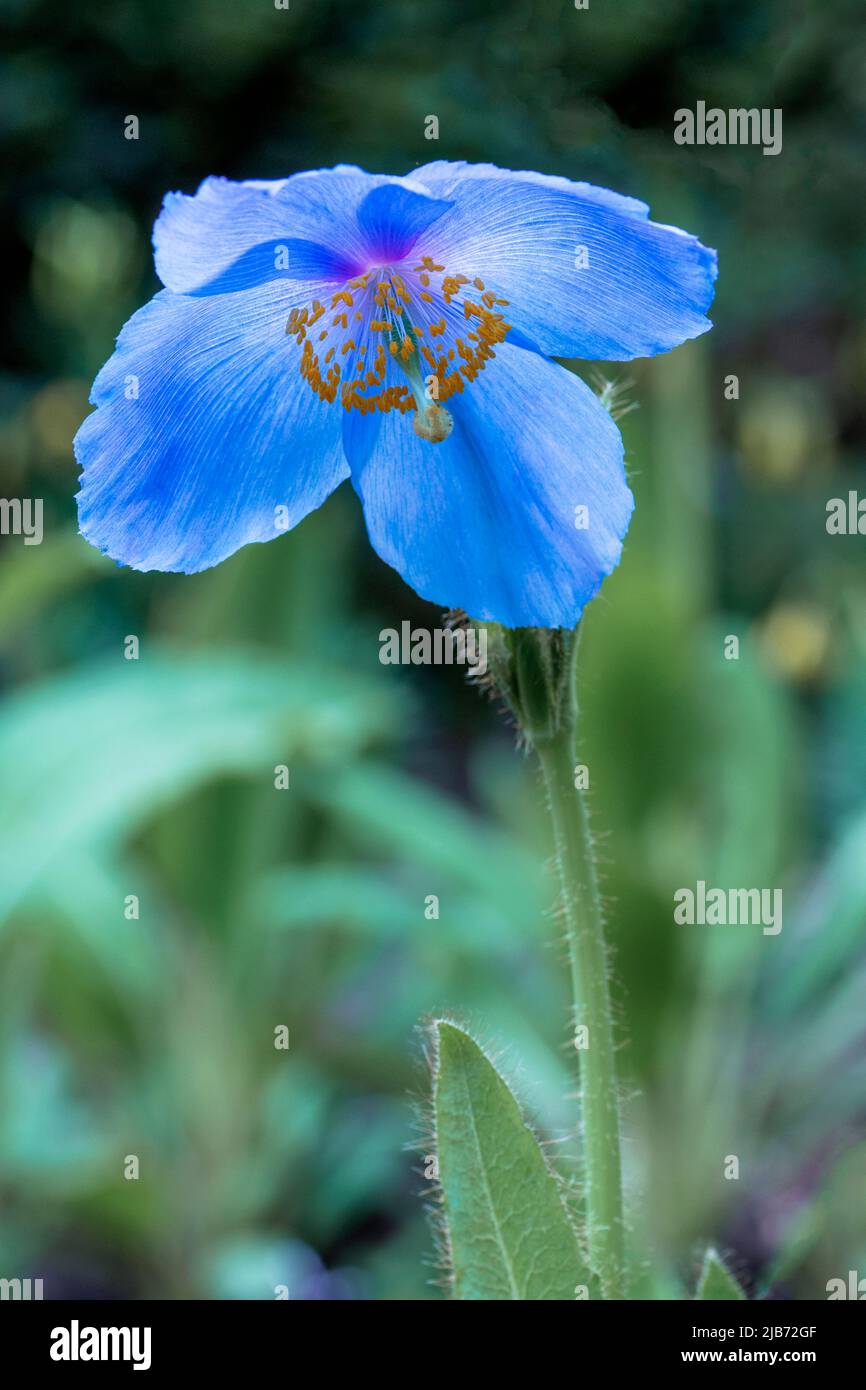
716,1281
508,1231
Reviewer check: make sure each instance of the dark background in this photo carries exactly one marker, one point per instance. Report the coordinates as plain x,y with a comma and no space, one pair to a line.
155,1037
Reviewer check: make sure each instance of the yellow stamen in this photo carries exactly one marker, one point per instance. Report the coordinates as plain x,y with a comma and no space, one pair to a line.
402,298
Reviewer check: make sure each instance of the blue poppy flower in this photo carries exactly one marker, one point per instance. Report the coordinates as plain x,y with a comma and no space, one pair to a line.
398,331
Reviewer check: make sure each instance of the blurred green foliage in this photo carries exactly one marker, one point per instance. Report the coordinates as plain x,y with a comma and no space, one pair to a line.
155,778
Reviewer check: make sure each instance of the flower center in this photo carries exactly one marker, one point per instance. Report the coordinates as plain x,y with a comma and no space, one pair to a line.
416,323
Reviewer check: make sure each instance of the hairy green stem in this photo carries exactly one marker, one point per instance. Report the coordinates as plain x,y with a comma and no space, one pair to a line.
581,906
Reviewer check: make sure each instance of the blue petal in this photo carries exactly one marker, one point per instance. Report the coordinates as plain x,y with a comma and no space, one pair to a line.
204,430
198,239
324,225
314,270
393,217
443,175
644,290
486,520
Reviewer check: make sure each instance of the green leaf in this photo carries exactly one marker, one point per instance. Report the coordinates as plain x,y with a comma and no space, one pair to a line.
365,902
716,1281
508,1231
828,936
88,757
387,811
